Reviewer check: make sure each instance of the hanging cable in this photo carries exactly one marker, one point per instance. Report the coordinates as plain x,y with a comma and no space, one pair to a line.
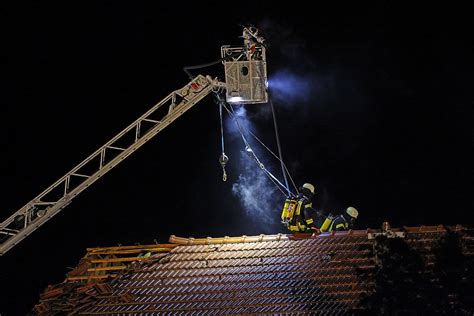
212,63
252,154
278,146
223,159
233,115
274,155
191,76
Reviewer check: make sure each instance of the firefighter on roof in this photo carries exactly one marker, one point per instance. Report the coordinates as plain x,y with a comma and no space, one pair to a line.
298,213
343,221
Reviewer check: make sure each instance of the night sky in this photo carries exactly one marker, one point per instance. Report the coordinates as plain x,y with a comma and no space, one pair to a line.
372,107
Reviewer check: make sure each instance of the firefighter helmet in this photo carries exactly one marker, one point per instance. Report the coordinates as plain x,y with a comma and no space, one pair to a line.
309,187
352,212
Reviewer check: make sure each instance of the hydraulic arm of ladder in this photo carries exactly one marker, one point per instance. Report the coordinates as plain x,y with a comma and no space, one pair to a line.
52,200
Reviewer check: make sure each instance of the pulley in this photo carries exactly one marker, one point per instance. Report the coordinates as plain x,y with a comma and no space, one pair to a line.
223,159
249,151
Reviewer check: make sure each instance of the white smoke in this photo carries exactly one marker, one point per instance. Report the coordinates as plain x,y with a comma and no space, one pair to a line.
260,198
289,88
241,114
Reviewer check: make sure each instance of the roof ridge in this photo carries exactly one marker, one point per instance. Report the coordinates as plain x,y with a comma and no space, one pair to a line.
173,239
227,240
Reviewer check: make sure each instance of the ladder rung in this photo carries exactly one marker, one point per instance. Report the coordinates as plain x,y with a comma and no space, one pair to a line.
10,232
80,175
117,148
151,121
44,203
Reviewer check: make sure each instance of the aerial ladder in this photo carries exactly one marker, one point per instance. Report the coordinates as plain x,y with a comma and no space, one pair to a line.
245,83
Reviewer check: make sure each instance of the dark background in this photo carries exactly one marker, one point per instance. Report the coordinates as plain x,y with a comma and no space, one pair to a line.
378,116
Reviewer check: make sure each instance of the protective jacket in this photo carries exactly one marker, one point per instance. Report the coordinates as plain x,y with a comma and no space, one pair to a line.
336,223
299,214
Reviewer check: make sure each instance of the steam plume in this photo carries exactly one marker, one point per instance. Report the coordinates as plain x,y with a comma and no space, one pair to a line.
259,198
288,88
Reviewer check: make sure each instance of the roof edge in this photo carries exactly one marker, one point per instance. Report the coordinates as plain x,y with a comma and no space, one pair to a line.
369,232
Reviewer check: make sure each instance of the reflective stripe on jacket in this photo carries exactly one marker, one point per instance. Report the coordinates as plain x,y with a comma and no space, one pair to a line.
339,223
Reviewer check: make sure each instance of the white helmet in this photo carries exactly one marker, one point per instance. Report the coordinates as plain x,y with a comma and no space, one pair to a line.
352,212
309,186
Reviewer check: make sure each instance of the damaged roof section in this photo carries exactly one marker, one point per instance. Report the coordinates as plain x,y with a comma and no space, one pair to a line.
92,276
333,273
105,263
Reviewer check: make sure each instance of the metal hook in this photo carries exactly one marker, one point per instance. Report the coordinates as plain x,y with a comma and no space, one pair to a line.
223,159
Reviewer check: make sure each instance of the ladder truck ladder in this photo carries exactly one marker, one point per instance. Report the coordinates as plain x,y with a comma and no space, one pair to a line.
52,200
246,83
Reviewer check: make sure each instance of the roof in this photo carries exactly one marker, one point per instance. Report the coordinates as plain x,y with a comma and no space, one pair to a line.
331,273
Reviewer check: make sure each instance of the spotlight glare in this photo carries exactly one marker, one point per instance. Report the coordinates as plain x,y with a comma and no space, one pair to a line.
235,100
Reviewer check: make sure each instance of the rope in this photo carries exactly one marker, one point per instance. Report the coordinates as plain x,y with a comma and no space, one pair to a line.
274,155
268,149
223,159
212,63
249,150
222,128
279,148
275,181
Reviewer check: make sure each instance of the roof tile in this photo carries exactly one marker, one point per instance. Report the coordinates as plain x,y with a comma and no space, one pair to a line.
265,274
